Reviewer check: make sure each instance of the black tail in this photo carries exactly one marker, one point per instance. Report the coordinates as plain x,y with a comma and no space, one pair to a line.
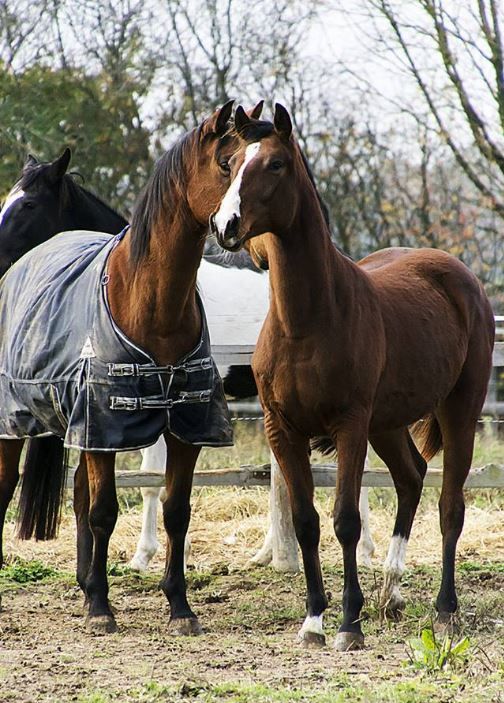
42,488
325,445
427,434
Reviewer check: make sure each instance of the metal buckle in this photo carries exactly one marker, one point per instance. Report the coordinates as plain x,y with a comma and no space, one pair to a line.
123,403
155,403
194,396
122,369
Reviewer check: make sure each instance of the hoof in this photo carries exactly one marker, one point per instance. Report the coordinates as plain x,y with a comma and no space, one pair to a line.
348,641
138,564
446,625
312,640
393,609
185,626
101,624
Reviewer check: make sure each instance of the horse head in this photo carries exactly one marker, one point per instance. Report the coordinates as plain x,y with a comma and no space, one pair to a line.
208,179
263,196
31,212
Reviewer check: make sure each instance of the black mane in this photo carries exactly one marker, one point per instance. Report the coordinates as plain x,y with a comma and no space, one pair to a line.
159,196
70,192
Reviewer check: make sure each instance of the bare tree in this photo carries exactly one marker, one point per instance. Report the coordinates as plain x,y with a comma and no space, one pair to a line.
455,53
214,50
23,23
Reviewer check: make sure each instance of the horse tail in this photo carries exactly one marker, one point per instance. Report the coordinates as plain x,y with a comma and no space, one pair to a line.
42,488
427,434
325,445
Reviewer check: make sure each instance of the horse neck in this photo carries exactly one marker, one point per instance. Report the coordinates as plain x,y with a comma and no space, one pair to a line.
85,211
154,302
306,273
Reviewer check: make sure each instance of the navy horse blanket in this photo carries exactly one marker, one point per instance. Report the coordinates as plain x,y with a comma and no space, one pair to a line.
67,369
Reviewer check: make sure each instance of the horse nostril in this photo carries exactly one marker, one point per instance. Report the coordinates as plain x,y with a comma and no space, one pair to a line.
232,227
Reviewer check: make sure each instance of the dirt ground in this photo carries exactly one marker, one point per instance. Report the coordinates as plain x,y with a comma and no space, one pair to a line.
248,651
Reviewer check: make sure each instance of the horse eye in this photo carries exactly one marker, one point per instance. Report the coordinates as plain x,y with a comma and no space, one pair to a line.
275,165
29,204
224,166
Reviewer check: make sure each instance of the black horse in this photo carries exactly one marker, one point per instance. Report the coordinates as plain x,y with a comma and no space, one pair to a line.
47,200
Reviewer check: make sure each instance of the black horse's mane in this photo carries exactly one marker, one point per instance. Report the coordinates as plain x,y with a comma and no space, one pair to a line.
70,190
158,197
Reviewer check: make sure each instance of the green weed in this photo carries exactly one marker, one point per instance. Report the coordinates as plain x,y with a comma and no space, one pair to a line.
21,571
434,654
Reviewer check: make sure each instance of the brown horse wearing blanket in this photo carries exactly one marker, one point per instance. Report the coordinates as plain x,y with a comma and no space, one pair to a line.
148,283
356,351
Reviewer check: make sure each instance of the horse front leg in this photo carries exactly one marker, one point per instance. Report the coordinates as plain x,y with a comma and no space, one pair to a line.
103,510
292,453
181,460
351,444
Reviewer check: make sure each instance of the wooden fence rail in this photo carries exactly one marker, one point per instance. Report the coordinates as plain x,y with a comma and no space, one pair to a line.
324,476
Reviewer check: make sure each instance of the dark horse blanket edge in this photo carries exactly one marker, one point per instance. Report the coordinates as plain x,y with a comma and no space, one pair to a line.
194,415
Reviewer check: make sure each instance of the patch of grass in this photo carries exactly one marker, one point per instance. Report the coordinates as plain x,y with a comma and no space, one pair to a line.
95,697
341,689
21,572
481,568
199,580
115,568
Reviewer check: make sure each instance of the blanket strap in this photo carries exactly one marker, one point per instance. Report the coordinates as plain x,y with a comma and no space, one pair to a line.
132,403
151,369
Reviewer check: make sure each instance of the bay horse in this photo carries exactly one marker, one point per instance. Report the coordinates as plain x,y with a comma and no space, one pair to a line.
141,286
47,199
353,352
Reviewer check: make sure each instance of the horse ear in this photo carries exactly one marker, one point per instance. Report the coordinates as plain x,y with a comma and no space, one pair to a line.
242,120
255,113
30,161
221,123
58,168
282,122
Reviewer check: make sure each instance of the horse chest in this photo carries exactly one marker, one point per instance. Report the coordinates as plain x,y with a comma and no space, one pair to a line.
303,379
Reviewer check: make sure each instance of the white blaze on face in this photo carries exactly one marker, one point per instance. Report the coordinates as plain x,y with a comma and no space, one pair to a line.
15,194
231,203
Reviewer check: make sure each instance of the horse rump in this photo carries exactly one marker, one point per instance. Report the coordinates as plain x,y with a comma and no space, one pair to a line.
42,488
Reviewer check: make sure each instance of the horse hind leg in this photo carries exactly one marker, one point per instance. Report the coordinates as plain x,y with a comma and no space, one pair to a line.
457,416
153,459
365,547
407,468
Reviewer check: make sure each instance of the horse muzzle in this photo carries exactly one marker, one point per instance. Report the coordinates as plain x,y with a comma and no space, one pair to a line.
228,237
